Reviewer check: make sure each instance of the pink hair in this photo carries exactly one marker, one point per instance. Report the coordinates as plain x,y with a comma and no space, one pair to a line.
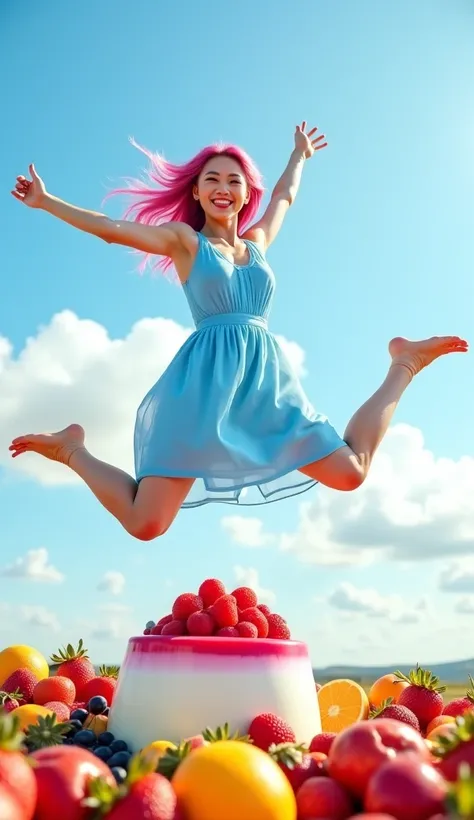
173,201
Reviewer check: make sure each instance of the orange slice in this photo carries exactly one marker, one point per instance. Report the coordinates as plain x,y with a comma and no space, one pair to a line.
342,702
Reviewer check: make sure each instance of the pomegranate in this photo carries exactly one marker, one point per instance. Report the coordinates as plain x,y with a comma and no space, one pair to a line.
407,788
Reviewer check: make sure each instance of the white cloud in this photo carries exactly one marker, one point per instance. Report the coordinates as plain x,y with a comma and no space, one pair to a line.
72,367
247,532
115,608
33,567
458,576
248,577
40,617
349,598
465,605
113,582
412,507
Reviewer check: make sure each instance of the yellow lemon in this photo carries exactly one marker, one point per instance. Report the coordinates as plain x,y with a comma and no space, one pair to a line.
29,713
233,780
19,657
154,751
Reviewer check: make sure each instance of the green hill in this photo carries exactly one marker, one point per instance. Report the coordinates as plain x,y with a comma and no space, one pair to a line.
452,672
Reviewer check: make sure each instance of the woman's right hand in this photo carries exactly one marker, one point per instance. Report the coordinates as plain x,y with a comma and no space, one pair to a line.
31,192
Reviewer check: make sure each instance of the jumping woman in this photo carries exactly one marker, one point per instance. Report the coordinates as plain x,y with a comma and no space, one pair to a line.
228,417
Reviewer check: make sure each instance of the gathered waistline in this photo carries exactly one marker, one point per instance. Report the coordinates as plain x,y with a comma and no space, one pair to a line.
232,319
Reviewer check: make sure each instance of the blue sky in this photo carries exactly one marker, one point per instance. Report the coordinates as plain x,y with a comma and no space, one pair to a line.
380,242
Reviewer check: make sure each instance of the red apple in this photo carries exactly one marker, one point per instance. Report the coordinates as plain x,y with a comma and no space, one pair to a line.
359,751
373,816
320,797
408,788
10,809
62,774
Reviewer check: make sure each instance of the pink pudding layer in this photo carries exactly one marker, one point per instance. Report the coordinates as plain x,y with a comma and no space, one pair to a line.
158,651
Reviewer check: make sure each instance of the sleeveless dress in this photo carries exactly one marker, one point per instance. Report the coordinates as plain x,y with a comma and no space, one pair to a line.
229,410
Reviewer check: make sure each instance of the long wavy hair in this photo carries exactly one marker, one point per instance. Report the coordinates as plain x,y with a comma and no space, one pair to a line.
166,193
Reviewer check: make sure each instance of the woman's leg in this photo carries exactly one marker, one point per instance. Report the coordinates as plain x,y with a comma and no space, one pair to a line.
347,468
145,510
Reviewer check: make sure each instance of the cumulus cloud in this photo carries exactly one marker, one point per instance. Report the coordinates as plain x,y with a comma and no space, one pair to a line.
247,532
352,599
72,367
113,582
40,617
458,576
34,566
465,605
414,506
248,577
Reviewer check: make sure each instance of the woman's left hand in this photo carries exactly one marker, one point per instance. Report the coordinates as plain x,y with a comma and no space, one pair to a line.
306,143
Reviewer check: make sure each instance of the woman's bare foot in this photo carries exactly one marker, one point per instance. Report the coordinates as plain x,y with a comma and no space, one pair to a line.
417,355
56,446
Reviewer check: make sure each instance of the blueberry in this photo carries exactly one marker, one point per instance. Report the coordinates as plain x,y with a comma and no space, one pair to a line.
119,746
75,726
104,752
105,738
150,625
85,738
79,714
97,705
119,774
120,759
106,713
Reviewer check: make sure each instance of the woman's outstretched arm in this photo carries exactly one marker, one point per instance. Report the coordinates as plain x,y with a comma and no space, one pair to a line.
162,240
283,195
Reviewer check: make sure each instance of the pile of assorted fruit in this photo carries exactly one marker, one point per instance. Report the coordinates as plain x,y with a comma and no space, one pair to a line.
213,612
398,752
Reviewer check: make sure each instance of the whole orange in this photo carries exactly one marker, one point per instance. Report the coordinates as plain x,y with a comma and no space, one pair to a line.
22,657
385,687
57,688
441,720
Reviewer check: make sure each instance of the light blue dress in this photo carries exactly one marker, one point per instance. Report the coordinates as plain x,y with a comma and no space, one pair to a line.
229,410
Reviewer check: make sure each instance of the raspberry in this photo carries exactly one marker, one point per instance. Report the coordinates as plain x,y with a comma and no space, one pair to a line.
224,611
158,628
210,590
265,609
278,628
62,712
148,631
322,742
200,623
228,632
267,728
245,597
186,604
253,615
175,627
247,630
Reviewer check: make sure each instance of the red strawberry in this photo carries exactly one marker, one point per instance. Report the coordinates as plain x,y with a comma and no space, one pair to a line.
16,775
22,681
388,709
200,623
267,728
185,605
62,712
422,696
265,609
228,632
457,750
57,688
174,627
246,629
147,631
75,665
9,701
322,742
210,590
297,764
278,628
104,685
245,597
224,611
458,706
253,615
145,794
